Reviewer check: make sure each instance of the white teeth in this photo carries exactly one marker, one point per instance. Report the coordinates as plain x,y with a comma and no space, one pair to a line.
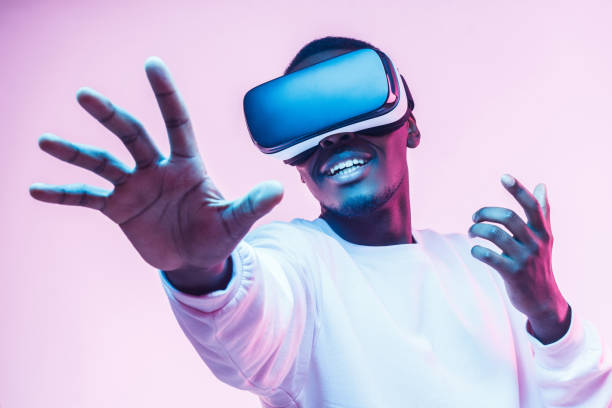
344,167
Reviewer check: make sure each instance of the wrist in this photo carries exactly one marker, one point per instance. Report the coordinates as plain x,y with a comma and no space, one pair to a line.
201,281
550,326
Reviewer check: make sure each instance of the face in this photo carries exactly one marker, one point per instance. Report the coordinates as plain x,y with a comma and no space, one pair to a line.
374,168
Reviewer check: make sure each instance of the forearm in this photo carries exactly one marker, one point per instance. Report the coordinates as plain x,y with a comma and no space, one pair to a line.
197,281
266,309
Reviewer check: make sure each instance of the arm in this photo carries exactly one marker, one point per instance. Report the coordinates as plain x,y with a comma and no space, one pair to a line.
574,371
572,366
257,333
179,222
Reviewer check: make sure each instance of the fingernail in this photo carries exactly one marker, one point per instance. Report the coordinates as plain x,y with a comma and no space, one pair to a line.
508,180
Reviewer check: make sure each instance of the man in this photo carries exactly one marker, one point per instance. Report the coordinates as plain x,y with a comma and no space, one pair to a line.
355,308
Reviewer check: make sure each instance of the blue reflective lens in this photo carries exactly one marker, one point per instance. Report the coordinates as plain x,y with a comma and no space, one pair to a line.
316,99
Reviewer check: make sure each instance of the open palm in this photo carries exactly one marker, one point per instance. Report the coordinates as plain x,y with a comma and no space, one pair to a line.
168,207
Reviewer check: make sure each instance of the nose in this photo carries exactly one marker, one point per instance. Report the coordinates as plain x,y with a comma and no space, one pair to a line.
334,139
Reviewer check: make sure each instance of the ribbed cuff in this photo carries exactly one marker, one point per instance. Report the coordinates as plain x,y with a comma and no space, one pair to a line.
562,352
216,300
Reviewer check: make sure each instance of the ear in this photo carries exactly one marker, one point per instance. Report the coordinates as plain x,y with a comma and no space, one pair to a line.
414,136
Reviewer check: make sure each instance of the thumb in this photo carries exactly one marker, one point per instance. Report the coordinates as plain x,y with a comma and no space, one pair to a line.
254,205
264,196
541,195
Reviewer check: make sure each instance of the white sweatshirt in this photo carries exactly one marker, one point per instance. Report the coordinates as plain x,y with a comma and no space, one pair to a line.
311,320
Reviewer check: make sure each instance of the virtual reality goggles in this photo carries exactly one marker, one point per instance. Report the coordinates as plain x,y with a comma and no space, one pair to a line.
359,91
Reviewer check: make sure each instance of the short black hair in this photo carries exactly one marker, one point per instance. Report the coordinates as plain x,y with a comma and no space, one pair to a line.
327,43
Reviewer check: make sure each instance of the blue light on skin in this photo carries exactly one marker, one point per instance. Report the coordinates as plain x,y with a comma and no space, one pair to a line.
371,204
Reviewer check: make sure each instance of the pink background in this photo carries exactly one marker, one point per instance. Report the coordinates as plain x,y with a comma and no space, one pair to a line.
522,88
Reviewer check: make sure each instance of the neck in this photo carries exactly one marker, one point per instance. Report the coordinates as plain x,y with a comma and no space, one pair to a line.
390,224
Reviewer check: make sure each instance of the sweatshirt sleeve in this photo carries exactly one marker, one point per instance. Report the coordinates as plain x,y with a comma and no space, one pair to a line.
258,333
575,370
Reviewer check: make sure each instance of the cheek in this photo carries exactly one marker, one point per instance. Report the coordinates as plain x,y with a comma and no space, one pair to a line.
308,181
322,191
315,190
302,172
395,157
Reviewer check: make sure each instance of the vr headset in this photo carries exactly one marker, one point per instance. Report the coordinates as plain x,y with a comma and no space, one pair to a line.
359,91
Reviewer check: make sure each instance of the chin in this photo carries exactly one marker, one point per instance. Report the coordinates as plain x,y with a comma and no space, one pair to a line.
361,205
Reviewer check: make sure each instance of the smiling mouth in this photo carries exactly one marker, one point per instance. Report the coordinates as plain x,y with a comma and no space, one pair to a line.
344,159
346,167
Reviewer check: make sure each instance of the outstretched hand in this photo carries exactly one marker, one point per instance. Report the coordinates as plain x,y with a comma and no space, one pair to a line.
168,207
525,263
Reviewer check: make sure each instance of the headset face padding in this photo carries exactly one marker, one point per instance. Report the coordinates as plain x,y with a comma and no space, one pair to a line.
359,90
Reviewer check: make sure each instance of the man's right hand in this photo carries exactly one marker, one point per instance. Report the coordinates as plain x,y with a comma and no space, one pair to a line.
168,207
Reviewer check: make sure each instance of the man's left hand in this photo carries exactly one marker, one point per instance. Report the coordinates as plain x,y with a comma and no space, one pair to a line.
525,263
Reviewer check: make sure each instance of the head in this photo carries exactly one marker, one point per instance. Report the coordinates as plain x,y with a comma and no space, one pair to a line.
380,169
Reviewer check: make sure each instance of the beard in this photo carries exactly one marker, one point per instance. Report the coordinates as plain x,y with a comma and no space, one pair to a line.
363,205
